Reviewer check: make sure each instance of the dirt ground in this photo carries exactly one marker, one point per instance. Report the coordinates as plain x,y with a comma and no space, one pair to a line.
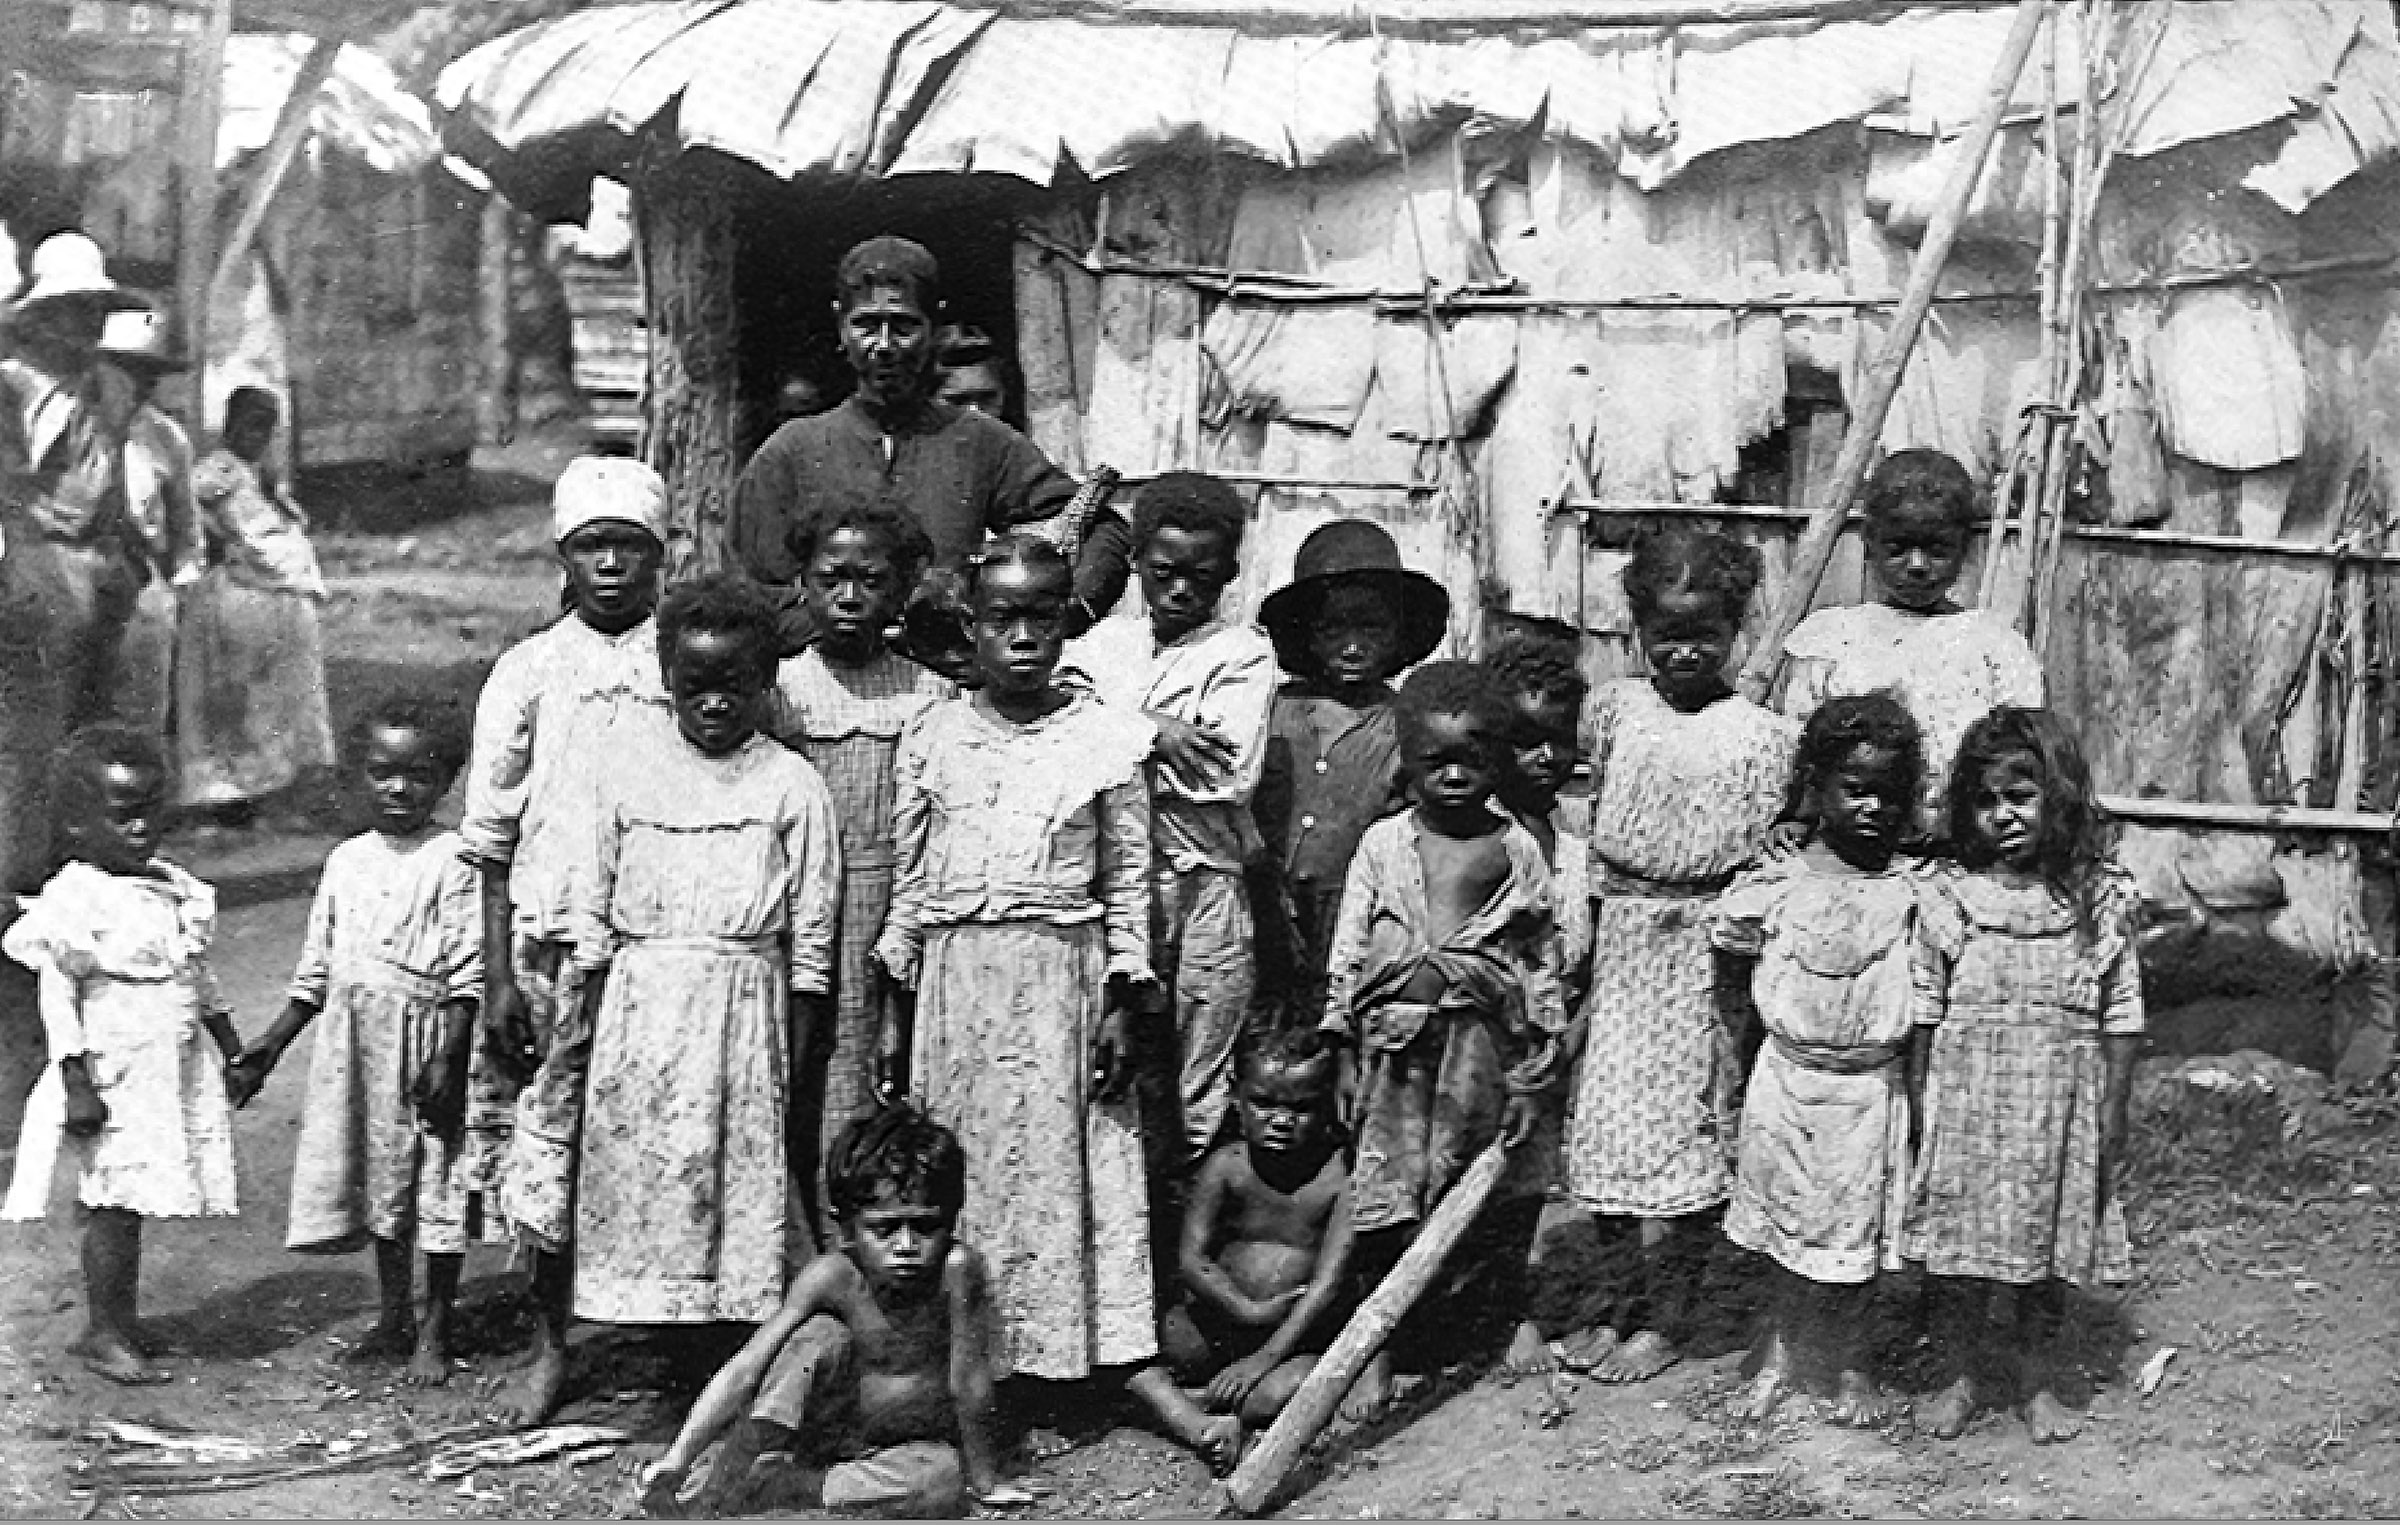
2262,1253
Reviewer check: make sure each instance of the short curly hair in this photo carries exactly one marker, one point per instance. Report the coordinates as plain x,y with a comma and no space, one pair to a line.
903,539
1192,501
423,712
1018,548
899,1154
1451,688
720,603
79,768
1537,667
1841,726
1290,1048
1692,561
1923,478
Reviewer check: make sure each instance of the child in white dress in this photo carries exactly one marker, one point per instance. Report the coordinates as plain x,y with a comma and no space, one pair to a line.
135,1091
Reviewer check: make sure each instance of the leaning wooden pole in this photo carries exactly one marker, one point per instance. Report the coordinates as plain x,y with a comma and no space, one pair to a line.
1816,545
1254,1482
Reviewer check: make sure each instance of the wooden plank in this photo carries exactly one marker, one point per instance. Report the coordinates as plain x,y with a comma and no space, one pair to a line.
693,410
196,159
274,162
108,60
2128,807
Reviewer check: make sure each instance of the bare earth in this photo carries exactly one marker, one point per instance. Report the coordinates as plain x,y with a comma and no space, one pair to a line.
2264,1265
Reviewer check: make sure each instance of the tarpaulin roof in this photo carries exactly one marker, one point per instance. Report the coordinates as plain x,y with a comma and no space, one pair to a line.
870,88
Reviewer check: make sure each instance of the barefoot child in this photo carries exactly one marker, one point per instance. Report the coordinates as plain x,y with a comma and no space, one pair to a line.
1834,944
1206,684
1946,664
1545,693
1443,995
869,1391
1687,776
555,710
1265,1256
405,1119
842,704
2029,1072
136,1083
704,942
1020,919
1350,619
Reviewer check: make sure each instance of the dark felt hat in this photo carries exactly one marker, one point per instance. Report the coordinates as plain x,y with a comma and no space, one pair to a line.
1353,551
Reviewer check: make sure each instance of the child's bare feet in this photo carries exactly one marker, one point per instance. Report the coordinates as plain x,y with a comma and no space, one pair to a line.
534,1395
2051,1421
1770,1386
394,1338
1529,1355
1370,1397
109,1354
1944,1415
430,1365
1219,1442
1859,1403
1215,1438
1639,1359
1582,1352
662,1491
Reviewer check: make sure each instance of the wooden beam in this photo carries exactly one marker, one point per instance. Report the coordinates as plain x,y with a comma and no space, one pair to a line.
274,162
1816,545
692,409
2149,812
198,109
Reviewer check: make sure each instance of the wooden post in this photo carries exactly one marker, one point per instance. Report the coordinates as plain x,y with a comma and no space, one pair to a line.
1883,376
1254,1482
274,162
692,411
496,409
196,220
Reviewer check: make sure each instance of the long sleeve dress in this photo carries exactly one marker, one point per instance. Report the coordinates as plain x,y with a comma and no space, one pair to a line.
1679,801
126,982
250,702
2008,1183
713,892
1023,886
395,933
847,722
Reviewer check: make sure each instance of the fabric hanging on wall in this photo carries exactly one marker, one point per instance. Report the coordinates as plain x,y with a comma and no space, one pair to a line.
1304,365
2227,379
1477,355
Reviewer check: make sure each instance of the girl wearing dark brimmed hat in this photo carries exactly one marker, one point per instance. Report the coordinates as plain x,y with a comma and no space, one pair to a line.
1350,620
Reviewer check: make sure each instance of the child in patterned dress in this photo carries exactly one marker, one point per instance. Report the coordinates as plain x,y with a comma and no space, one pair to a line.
2029,1073
1020,920
405,1121
136,1086
704,940
1836,946
1443,997
1687,777
557,707
1948,665
842,704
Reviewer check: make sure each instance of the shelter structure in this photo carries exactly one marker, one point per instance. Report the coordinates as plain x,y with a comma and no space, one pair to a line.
1514,276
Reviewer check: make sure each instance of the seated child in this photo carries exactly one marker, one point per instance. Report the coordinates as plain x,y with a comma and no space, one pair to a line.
1443,992
870,1390
406,1120
1265,1254
1946,664
1351,618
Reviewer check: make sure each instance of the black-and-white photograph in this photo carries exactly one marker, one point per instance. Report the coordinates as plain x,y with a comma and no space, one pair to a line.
1180,759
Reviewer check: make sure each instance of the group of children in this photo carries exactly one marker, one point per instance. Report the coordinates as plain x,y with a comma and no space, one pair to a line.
901,1004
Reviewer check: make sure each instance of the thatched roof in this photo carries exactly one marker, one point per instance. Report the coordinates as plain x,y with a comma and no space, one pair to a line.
869,88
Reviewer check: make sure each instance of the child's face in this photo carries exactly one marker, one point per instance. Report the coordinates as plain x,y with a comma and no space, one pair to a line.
1356,637
1916,550
716,680
899,1246
1284,1106
1450,756
1020,623
1542,747
853,590
2006,811
120,835
1686,640
1862,802
612,574
1184,573
405,778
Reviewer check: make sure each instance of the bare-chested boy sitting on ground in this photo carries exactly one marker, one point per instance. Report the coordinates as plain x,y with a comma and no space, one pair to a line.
1264,1258
870,1390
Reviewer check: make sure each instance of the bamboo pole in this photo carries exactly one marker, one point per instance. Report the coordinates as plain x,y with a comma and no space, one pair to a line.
274,162
203,85
1254,1482
2129,807
1816,545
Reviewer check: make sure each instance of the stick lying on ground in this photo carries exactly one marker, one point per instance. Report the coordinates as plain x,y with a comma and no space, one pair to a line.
1255,1480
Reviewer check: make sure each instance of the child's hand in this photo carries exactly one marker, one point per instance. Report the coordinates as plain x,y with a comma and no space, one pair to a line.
247,1075
1231,1387
1112,1056
440,1094
1518,1118
1197,755
508,1025
1786,838
87,1114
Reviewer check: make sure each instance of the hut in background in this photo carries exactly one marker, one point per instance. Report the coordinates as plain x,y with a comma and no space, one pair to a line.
1515,278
